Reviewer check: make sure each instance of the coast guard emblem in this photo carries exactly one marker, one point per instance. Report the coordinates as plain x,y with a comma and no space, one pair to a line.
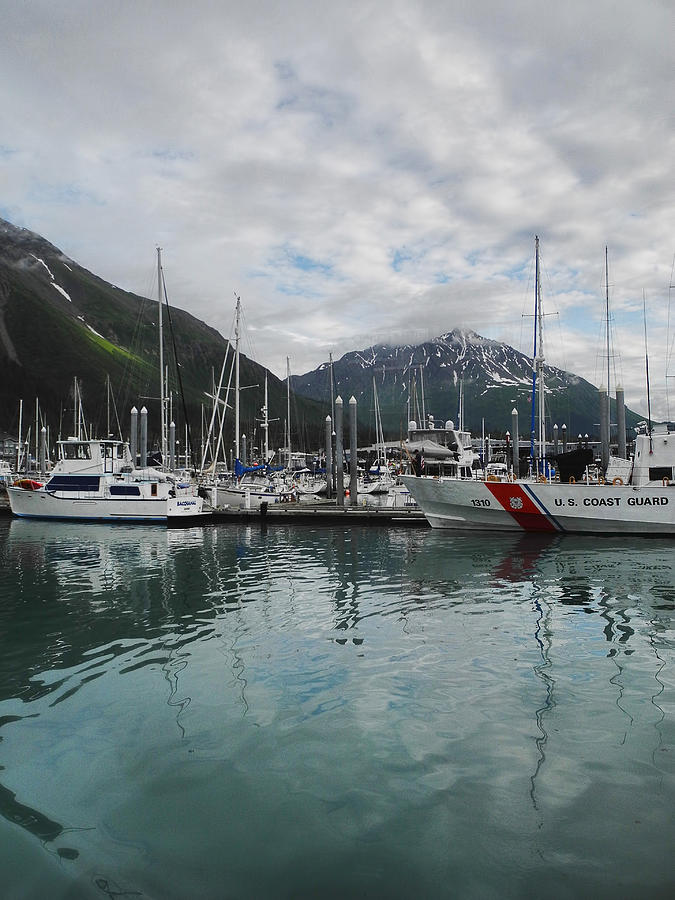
515,502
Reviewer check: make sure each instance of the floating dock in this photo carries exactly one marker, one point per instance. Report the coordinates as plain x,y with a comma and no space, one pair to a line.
324,513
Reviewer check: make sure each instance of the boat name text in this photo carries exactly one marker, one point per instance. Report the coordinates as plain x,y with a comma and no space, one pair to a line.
613,501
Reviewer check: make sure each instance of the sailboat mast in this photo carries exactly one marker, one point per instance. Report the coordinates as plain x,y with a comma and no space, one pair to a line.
161,356
236,379
534,352
288,409
540,376
607,315
266,425
18,443
76,411
649,402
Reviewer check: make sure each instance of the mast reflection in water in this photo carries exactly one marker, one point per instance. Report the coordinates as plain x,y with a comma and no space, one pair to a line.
236,712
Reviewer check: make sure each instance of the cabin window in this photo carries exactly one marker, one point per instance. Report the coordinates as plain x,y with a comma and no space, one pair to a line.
73,483
76,451
125,490
658,473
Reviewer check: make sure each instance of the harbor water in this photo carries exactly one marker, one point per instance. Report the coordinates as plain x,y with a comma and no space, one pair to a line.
240,711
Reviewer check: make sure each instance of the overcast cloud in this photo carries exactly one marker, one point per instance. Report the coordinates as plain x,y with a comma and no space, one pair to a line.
358,172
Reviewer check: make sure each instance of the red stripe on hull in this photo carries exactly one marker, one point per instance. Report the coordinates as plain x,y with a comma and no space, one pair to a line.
517,502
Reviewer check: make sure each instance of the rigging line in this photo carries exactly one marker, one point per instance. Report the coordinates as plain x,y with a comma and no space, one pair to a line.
178,372
649,408
669,345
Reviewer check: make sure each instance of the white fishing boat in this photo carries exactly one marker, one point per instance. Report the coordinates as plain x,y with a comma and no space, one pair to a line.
95,480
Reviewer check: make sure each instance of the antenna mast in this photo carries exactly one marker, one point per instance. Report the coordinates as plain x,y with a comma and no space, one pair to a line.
649,405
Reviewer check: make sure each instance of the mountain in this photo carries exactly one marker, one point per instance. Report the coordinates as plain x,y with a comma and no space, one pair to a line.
58,322
494,376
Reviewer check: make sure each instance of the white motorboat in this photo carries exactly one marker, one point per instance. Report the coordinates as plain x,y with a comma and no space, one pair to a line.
95,480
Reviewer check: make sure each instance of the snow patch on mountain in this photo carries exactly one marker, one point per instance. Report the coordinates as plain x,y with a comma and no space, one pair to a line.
61,291
43,263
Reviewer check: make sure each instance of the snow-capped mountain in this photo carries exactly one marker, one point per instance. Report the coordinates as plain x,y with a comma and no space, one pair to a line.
487,377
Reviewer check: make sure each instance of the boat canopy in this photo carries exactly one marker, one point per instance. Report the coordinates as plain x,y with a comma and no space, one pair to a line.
430,449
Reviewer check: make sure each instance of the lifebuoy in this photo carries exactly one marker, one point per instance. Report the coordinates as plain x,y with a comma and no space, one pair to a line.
572,480
665,482
492,478
542,479
617,481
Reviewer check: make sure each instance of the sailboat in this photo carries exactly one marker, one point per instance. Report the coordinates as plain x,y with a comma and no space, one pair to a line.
639,500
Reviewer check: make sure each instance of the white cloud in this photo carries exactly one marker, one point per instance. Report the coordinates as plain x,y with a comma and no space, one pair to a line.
356,172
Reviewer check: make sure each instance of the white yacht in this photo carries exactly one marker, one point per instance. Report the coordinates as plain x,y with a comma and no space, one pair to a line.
96,480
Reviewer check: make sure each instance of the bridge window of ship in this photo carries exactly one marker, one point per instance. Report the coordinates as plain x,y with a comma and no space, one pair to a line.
658,473
125,490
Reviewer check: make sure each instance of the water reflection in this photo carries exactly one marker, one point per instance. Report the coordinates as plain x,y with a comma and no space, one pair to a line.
452,660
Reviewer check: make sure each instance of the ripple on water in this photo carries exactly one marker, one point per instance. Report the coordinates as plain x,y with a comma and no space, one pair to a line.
249,712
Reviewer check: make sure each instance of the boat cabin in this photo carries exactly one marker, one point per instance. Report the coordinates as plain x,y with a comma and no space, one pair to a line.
93,456
654,460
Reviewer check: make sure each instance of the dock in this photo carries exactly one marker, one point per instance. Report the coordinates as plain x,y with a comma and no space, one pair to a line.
324,513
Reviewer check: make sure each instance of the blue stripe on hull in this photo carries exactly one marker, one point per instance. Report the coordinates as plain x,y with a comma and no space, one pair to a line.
538,502
150,519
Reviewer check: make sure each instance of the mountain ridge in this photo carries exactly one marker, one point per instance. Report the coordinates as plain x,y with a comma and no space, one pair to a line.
487,378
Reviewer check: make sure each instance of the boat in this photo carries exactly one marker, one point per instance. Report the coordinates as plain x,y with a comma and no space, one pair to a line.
96,480
644,504
6,474
628,497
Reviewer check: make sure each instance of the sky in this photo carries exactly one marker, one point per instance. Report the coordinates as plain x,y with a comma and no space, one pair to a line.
360,173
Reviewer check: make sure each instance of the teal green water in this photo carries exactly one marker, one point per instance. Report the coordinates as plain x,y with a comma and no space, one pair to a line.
226,712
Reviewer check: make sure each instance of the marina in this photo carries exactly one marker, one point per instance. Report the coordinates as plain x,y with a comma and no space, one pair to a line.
337,451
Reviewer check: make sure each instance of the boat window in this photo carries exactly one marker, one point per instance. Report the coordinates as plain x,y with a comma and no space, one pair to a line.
658,473
125,490
76,451
153,490
73,483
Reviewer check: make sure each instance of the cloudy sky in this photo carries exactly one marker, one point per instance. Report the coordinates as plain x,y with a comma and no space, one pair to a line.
359,172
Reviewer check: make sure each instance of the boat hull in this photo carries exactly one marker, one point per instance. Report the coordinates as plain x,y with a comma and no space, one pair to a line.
543,507
42,504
